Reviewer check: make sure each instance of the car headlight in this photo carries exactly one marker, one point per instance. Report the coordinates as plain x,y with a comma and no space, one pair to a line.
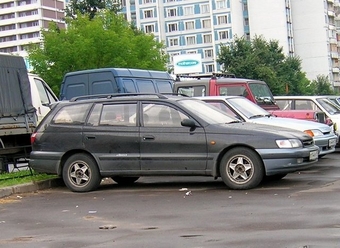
313,132
289,143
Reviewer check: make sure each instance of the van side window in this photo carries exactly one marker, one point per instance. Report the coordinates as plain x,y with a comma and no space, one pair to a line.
102,87
145,86
164,86
129,86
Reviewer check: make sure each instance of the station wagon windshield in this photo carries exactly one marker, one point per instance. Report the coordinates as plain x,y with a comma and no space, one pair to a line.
207,112
248,108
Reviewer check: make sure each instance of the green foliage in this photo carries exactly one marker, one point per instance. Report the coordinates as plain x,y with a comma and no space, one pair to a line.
321,86
91,7
107,40
264,60
22,177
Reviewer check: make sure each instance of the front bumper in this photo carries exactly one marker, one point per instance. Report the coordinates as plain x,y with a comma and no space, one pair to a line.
326,143
282,161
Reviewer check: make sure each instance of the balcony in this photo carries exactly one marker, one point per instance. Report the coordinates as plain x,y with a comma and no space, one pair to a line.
334,55
335,70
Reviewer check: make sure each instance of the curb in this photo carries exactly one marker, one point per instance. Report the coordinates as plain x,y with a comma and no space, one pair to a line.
30,187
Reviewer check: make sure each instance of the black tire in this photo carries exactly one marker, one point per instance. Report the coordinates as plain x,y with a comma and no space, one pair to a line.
80,173
241,168
124,180
274,177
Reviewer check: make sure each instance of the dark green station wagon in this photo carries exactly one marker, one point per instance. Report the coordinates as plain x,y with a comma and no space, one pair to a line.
127,136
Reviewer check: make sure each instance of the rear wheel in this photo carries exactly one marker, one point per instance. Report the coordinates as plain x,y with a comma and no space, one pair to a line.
124,180
241,168
80,173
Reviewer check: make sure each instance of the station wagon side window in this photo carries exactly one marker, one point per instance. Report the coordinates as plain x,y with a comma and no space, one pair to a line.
114,115
73,114
158,115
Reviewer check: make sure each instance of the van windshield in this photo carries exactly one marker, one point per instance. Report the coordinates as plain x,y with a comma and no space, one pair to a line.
262,93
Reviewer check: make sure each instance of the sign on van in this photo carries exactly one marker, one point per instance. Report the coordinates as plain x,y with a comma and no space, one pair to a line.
187,63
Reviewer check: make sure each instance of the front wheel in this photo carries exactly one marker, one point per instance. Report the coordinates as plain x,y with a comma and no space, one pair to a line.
241,168
80,173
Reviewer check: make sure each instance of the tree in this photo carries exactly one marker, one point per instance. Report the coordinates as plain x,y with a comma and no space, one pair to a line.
91,7
322,86
105,41
263,60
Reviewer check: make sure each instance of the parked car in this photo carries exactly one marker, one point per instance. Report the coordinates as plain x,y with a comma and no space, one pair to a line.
318,103
126,136
246,110
228,85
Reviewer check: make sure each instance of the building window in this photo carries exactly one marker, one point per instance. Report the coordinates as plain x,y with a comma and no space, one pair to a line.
169,1
209,68
205,8
222,19
223,35
206,23
148,13
172,55
172,12
149,28
172,27
147,1
207,38
188,10
173,42
208,53
220,4
190,25
191,40
191,52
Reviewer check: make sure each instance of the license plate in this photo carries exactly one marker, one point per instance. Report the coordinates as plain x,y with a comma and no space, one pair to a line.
332,142
313,155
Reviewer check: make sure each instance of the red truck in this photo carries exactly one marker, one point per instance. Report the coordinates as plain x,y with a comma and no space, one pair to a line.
228,85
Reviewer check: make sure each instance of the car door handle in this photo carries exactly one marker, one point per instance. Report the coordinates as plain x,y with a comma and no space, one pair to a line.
90,137
148,137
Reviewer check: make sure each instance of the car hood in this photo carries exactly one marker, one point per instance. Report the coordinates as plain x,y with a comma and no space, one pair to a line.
247,128
300,125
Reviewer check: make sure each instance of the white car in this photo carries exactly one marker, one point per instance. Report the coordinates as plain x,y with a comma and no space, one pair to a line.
316,103
247,111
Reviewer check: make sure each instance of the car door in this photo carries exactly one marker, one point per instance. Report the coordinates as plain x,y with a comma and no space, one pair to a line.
112,136
168,146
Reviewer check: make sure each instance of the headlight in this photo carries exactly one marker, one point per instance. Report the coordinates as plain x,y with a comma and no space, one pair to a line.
289,143
313,132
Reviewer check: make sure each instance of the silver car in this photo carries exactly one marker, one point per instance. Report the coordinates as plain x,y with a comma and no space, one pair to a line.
247,111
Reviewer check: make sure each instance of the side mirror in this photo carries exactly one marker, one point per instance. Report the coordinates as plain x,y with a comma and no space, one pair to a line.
188,123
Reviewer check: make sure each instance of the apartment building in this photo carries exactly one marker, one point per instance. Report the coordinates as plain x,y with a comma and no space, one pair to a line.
21,22
303,28
187,27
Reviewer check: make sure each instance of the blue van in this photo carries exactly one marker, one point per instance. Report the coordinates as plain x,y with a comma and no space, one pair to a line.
114,80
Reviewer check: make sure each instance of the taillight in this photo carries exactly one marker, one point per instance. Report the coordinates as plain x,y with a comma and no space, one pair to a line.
33,137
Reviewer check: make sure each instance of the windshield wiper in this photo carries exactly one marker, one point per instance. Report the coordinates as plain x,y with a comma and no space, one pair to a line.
257,116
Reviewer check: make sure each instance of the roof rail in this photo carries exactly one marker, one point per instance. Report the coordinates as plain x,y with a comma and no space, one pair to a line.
110,96
213,75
